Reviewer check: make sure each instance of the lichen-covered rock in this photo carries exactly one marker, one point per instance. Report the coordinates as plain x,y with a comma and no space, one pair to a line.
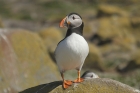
115,39
110,10
51,36
24,61
114,26
135,21
136,57
90,28
117,30
99,85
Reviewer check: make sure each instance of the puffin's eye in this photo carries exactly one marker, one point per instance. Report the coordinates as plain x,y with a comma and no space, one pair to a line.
73,17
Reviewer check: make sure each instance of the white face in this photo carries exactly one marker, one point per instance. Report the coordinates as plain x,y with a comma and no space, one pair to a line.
75,21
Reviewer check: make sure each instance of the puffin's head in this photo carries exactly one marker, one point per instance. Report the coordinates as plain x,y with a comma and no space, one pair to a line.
89,75
72,20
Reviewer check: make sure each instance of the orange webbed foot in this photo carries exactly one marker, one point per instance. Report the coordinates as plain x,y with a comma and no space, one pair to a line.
78,80
67,83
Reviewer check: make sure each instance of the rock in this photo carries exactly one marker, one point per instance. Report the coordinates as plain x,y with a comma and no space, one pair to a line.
94,59
106,28
24,60
90,28
51,37
133,64
114,26
136,57
110,10
135,21
115,40
98,85
117,30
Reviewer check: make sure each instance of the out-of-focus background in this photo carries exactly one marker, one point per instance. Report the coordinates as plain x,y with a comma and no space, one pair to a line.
30,32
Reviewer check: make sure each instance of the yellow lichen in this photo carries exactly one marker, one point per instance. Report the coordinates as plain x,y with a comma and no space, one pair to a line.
32,57
51,36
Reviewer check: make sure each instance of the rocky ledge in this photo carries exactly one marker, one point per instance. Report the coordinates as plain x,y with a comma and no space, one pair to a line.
99,85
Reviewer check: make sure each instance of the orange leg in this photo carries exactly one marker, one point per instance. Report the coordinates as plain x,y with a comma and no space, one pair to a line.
66,83
79,79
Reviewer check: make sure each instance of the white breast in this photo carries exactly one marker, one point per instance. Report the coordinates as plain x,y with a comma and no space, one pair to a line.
71,52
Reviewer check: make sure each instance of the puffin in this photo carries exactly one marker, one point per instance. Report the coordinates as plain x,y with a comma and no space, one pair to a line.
71,51
89,75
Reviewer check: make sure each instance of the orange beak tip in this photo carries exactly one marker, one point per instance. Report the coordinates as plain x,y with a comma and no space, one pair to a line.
62,22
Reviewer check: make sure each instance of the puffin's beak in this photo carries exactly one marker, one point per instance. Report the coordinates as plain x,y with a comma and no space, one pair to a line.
62,23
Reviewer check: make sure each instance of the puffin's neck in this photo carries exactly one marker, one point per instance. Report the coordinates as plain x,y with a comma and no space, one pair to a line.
77,30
